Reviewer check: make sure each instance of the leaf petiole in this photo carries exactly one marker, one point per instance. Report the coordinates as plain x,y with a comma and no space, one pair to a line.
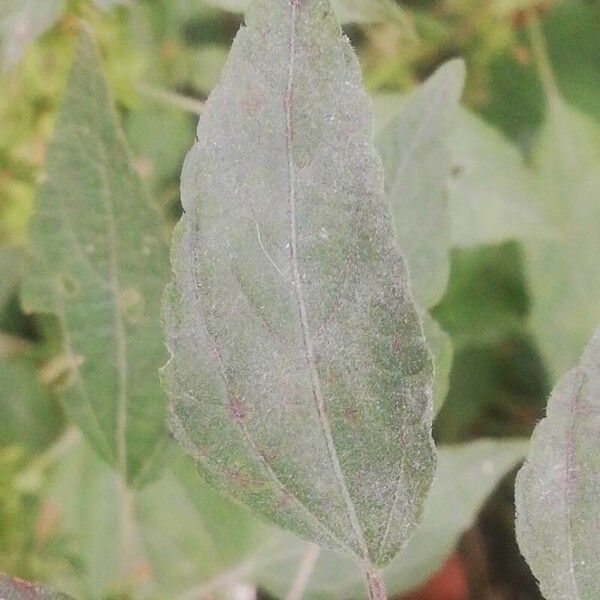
375,584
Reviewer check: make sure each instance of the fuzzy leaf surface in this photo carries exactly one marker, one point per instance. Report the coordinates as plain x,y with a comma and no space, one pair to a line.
299,376
99,264
17,589
466,476
558,489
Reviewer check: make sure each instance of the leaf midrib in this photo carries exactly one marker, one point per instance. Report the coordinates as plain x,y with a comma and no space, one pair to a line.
299,291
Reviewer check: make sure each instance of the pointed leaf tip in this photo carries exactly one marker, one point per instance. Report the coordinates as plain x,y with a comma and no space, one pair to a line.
299,377
99,265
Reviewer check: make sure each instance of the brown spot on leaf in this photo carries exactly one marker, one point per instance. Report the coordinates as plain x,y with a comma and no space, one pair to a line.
283,501
239,479
236,410
351,415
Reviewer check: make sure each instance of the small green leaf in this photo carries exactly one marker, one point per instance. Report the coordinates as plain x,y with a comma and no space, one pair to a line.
558,488
493,197
86,495
415,150
17,589
465,478
100,262
21,21
443,354
299,377
563,270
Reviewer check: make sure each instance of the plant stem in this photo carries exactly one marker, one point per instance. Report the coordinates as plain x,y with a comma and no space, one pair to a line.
375,584
305,570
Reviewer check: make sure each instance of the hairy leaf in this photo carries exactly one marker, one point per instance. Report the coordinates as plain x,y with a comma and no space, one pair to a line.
21,21
17,589
299,376
558,488
416,157
466,476
563,269
100,262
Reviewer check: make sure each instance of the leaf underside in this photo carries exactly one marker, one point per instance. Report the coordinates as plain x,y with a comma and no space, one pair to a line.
557,491
466,476
17,589
299,376
99,263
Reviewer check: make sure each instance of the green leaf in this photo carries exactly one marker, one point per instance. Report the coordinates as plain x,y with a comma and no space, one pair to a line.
563,269
17,589
443,354
465,478
494,197
299,376
88,499
100,262
29,417
558,488
183,534
192,535
22,21
416,156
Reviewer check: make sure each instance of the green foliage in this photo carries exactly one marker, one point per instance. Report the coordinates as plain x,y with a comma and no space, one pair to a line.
557,488
299,377
518,206
563,269
29,417
466,476
99,264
